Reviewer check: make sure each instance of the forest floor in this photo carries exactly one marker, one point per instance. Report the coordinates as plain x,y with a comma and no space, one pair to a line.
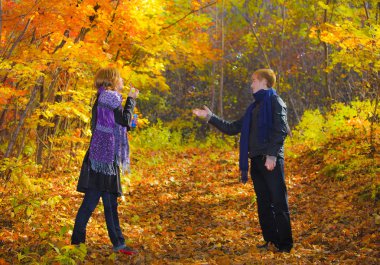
189,208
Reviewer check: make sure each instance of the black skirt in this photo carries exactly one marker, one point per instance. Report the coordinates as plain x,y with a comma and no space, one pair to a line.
91,180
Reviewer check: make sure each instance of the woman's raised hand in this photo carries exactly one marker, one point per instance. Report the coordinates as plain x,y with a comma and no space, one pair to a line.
202,113
133,92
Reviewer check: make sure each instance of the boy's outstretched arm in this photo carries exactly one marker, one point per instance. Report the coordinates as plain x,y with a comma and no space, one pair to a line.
230,128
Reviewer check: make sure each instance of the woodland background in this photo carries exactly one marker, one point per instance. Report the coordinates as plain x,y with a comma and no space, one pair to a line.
183,54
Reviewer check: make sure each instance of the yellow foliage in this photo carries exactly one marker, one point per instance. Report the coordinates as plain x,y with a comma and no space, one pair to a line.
358,47
21,173
316,129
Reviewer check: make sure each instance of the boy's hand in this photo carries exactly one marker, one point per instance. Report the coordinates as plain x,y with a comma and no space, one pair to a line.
270,162
202,113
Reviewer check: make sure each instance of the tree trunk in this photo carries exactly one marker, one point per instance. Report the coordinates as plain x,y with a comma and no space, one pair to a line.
280,70
65,79
12,141
221,65
33,39
212,107
213,73
375,116
40,132
54,132
326,57
82,34
1,19
22,144
294,109
2,117
366,9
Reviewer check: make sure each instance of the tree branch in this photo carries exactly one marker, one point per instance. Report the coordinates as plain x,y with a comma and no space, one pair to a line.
63,42
254,34
112,20
366,9
37,2
18,39
135,55
188,14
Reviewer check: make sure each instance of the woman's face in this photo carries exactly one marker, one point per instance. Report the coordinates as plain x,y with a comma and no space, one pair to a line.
258,84
120,84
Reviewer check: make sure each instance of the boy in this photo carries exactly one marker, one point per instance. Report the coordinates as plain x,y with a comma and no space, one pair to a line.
263,130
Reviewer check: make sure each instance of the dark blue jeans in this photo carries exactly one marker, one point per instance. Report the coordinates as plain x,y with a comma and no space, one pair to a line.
90,201
272,202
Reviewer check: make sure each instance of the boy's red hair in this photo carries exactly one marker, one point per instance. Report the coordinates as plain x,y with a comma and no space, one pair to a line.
267,74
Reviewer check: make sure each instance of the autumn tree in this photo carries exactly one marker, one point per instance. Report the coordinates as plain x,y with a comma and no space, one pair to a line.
50,50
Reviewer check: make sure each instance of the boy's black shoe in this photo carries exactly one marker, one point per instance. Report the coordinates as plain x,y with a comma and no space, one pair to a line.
284,250
263,246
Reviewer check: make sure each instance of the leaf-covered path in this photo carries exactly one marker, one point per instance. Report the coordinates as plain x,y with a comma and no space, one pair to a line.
188,208
192,210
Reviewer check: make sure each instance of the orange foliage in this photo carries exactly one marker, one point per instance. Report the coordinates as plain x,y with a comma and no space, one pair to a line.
191,209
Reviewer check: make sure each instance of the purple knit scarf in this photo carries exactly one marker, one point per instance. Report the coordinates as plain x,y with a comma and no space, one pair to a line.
109,142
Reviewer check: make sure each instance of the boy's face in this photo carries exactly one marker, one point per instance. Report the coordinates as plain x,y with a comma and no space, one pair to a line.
258,84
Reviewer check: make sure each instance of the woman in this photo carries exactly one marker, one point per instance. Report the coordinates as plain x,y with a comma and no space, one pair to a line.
107,156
